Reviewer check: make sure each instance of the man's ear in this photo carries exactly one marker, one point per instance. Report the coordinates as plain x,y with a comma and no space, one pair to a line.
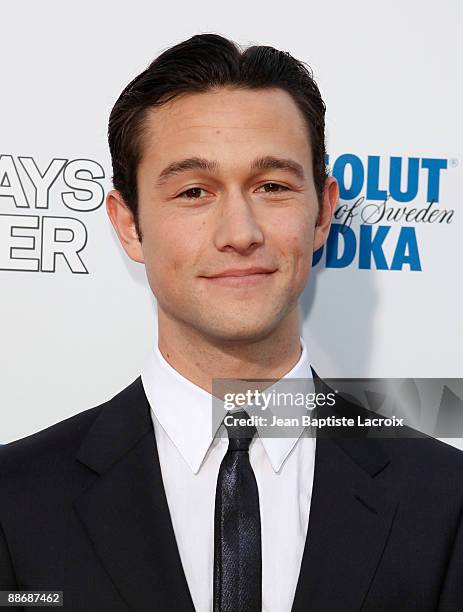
328,204
123,222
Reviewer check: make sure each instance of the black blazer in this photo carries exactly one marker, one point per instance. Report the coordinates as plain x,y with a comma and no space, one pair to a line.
83,510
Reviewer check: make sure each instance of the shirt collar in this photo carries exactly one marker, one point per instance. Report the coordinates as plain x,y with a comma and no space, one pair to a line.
184,410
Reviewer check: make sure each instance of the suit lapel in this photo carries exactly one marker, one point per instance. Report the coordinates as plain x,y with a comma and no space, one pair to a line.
351,516
125,511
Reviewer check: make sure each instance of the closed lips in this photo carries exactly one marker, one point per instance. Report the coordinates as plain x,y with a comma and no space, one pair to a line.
241,272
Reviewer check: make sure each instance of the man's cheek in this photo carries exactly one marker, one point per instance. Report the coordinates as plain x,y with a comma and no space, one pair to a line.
297,247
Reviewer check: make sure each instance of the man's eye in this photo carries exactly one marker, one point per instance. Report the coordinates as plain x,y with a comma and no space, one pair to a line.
193,193
274,187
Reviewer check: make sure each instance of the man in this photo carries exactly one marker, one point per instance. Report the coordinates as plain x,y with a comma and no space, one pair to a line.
221,192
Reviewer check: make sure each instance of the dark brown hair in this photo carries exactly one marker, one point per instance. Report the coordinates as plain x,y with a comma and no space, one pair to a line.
203,62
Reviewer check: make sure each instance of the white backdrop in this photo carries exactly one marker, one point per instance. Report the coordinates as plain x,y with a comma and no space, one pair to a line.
75,328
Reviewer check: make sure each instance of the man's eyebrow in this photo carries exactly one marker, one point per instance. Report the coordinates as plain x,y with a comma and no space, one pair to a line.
267,162
270,162
190,163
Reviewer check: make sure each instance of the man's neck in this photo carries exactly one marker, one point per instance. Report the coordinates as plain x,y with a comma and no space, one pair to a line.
202,359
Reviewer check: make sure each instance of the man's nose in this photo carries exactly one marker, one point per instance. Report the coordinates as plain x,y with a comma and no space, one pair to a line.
237,226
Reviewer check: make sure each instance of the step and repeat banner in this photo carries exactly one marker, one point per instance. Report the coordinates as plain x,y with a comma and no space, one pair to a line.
385,296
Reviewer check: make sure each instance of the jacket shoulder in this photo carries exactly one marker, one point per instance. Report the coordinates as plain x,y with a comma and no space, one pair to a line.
424,452
53,445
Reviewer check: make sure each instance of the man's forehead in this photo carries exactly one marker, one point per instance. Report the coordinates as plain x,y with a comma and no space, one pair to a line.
213,121
227,109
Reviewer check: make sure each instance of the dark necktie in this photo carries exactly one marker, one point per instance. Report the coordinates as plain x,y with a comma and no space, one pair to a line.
237,534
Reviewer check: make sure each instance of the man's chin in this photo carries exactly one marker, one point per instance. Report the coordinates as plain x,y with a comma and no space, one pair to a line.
239,333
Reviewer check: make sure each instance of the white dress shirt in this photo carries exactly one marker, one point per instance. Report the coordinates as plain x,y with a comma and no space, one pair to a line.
190,458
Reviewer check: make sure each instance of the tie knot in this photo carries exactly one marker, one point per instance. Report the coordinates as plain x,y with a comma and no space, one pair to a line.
240,434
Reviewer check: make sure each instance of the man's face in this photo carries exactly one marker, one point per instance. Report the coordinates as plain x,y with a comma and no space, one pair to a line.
244,199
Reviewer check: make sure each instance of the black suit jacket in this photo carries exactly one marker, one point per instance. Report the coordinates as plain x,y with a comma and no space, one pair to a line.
83,510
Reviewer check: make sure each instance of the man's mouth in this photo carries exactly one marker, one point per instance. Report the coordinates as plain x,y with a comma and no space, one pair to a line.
235,277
